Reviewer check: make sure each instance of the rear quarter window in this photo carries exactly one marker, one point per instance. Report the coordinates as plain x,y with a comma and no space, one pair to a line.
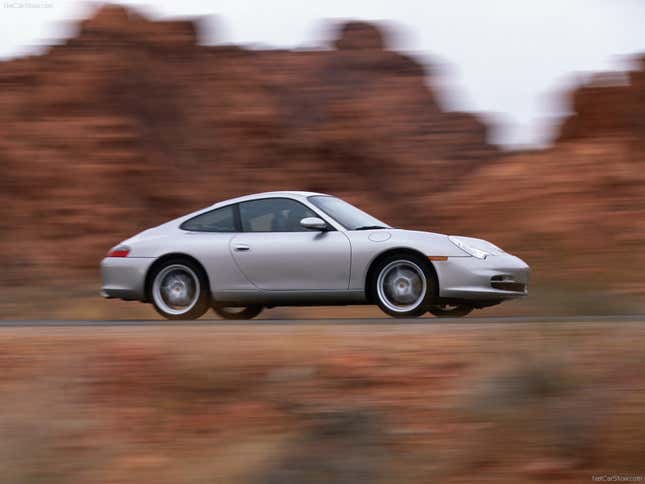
218,220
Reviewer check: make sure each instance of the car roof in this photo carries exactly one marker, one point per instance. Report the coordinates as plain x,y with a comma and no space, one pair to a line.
282,193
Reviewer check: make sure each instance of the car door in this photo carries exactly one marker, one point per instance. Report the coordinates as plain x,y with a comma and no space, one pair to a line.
275,253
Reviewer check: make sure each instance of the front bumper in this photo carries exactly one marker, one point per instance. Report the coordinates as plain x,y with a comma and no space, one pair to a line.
497,277
124,277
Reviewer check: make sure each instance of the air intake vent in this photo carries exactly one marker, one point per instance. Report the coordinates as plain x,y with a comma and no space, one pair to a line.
507,283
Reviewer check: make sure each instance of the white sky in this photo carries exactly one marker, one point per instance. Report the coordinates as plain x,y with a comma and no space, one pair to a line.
507,58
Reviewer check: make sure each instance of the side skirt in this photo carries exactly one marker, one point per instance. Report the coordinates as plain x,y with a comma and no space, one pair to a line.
290,298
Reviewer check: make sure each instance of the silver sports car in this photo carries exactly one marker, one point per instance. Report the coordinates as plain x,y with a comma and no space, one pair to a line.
303,248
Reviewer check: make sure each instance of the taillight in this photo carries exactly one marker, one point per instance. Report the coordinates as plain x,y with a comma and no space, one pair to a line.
119,251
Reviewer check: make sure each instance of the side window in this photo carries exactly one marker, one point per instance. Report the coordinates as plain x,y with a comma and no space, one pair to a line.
219,220
273,215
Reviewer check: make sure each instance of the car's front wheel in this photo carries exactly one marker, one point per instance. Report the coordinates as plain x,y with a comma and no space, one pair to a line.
179,290
403,285
228,312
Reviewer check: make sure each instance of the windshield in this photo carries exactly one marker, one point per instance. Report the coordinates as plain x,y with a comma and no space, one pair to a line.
345,214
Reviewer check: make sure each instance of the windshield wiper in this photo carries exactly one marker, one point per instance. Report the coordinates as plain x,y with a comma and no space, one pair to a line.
371,227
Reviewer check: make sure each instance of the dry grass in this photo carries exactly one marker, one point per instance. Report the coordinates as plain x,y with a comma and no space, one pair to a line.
276,404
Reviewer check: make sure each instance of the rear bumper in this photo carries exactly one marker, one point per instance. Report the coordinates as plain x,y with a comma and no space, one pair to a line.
124,277
497,277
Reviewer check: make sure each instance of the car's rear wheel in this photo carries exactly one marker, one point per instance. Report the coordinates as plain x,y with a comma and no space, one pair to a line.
229,312
403,285
179,290
450,310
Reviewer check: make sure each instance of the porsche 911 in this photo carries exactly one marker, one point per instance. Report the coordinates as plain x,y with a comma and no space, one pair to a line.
297,248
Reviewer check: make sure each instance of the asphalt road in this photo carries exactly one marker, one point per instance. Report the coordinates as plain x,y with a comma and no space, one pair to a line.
338,321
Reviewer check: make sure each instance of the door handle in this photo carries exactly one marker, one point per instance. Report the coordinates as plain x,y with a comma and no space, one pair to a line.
242,247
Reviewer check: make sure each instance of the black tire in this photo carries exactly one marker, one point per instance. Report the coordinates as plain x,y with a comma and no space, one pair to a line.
187,274
451,311
248,312
416,276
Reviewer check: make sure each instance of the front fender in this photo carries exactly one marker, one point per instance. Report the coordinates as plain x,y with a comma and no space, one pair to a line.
367,246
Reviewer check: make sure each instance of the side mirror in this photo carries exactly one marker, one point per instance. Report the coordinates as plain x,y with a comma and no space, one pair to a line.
314,223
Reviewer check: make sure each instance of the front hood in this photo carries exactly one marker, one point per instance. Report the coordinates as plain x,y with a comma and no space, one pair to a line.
416,233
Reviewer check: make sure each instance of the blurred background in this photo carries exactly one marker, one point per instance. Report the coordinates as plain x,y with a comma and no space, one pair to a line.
519,122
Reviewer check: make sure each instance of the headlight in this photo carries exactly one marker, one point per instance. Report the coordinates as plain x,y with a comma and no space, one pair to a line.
480,254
